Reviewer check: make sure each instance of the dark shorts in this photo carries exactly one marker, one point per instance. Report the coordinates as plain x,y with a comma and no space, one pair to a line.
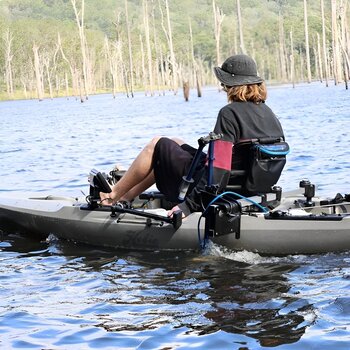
170,163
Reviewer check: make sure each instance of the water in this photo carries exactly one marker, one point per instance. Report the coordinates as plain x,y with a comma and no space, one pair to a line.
58,295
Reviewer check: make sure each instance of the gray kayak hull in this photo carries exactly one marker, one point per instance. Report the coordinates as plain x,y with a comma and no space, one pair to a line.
67,218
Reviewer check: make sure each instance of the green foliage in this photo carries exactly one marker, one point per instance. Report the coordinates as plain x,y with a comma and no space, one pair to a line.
40,21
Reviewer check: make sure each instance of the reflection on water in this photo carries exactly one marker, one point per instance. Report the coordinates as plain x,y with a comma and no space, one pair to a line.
57,295
142,292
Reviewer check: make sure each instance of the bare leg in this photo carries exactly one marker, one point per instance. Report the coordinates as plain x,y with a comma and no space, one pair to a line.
139,188
139,171
147,182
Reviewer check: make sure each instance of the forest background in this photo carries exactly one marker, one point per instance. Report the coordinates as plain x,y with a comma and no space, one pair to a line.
52,48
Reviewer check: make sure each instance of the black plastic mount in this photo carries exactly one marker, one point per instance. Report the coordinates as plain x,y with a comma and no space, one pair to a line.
223,218
308,194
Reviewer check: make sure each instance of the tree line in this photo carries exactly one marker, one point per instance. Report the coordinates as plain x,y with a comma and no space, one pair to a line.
77,48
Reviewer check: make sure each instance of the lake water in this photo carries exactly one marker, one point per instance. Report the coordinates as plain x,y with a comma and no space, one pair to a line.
57,295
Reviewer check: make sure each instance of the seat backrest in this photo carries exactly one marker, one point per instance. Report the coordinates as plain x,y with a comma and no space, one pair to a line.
249,167
256,166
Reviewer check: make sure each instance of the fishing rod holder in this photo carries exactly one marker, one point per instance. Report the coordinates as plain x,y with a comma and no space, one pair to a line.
309,193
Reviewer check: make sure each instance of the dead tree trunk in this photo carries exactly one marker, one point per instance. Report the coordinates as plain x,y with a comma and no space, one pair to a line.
66,84
113,62
307,48
171,47
46,64
169,37
79,17
335,44
38,73
319,58
218,19
317,67
131,65
8,38
143,67
50,64
240,27
24,84
324,45
186,90
148,46
282,49
343,41
159,71
292,67
71,68
194,64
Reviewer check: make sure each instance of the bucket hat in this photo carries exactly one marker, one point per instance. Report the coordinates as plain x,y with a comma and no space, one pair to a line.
238,70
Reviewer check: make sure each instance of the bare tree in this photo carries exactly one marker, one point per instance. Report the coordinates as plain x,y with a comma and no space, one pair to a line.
38,73
317,68
47,67
343,41
131,65
148,46
112,55
335,44
143,72
66,84
8,62
79,17
218,19
307,48
50,65
324,45
318,58
240,27
169,36
159,64
194,63
282,49
292,64
75,73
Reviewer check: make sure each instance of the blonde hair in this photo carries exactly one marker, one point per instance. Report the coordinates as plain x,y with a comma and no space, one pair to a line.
255,93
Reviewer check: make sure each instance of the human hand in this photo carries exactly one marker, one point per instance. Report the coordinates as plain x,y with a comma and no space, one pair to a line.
173,210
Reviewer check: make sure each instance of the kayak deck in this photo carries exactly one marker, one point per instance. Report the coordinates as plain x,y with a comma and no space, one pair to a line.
287,229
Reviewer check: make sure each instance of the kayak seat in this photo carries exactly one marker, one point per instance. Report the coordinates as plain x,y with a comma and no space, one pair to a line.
255,165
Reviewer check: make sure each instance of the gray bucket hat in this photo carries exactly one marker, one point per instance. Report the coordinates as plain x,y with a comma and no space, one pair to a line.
238,70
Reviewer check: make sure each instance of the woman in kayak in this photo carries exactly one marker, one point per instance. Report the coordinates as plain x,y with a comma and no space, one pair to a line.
165,161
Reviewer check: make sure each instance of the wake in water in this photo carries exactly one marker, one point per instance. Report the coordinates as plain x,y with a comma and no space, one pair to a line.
251,258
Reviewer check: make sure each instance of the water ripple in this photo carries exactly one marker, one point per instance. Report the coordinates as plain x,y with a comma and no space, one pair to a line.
57,295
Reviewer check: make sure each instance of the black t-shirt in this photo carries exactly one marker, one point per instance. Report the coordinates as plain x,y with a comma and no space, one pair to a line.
238,121
247,120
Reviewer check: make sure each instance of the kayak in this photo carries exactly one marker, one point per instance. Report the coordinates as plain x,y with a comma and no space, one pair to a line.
275,223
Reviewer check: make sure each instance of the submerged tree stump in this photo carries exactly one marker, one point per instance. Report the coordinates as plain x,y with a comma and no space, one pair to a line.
186,89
